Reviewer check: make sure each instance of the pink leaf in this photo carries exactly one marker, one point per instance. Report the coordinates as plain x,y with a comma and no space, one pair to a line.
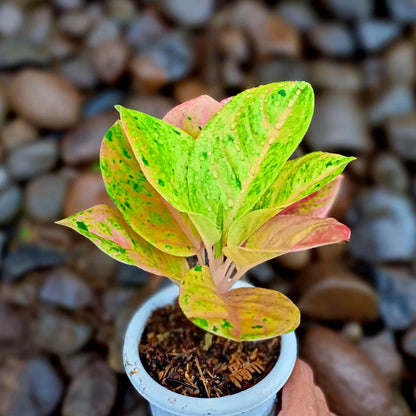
283,234
192,116
301,396
317,204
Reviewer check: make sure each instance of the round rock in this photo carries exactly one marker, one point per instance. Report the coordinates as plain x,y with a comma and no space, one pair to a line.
187,13
45,196
351,382
10,202
92,392
44,99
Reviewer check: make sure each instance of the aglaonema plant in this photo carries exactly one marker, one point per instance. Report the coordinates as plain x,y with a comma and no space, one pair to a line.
213,181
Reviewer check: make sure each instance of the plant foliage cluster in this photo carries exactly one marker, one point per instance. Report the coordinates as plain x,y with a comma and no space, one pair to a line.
214,181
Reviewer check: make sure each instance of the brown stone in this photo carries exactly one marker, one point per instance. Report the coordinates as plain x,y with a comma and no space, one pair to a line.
189,89
296,260
381,349
86,191
16,133
110,59
82,144
147,76
340,298
44,99
351,382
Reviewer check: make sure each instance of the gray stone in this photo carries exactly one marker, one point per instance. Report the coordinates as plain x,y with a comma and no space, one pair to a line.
332,39
131,275
105,30
64,288
74,364
45,197
299,15
402,10
397,294
280,70
61,335
103,101
30,388
172,54
11,19
374,35
144,29
394,101
26,258
10,202
352,9
338,124
389,172
39,24
80,72
402,136
92,392
16,52
68,4
264,273
33,159
383,227
187,13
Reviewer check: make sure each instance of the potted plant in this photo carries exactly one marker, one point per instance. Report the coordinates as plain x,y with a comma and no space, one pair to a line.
202,196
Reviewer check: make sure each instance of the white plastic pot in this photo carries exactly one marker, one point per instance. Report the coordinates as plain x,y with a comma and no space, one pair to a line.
258,400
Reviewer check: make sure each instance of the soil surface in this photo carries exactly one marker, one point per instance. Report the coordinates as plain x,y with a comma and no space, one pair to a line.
192,362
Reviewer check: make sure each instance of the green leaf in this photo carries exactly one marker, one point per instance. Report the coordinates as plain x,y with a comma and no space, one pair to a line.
298,179
162,151
143,208
242,314
302,177
106,228
244,146
284,234
192,116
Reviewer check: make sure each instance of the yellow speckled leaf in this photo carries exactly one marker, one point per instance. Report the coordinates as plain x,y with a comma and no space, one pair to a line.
298,179
242,149
243,314
143,208
106,228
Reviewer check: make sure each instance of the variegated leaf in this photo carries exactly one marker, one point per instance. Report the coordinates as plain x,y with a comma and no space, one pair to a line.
317,204
143,208
243,314
162,151
303,176
243,148
106,228
192,116
298,179
284,234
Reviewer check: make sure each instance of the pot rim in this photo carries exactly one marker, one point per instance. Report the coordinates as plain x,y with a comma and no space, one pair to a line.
179,404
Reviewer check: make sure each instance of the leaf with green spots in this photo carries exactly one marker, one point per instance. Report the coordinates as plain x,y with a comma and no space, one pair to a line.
243,148
106,228
192,116
243,314
143,208
162,151
284,234
298,179
317,204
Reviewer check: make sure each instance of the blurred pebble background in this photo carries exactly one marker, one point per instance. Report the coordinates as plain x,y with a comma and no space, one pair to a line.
64,305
